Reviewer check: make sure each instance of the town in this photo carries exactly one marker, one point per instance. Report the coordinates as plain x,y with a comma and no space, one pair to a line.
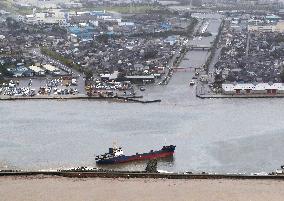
95,53
69,49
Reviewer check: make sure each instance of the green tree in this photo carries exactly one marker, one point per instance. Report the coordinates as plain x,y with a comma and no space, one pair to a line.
282,76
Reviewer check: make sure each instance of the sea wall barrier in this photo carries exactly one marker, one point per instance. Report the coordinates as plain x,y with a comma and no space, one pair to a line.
141,175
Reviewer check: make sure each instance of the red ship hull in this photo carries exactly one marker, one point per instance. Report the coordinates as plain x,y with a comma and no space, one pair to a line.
164,152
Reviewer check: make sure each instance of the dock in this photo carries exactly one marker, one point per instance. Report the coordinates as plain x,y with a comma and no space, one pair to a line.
133,99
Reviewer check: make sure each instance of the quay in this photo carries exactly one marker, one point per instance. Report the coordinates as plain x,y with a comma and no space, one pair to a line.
204,96
134,99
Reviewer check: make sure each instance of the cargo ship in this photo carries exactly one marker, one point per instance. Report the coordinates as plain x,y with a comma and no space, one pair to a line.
115,155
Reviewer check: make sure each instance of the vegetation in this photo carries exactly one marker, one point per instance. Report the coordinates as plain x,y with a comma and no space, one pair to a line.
124,9
55,55
66,61
187,32
8,6
4,72
279,38
282,76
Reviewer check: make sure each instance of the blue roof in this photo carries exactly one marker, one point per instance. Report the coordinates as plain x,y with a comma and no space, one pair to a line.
98,13
166,26
83,32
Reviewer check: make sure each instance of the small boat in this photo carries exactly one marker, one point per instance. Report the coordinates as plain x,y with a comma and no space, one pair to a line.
142,89
115,155
191,83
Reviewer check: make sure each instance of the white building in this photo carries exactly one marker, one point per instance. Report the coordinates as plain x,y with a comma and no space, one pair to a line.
276,27
50,17
126,24
260,88
52,69
37,70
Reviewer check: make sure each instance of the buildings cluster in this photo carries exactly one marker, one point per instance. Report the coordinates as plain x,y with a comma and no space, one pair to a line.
251,59
76,4
269,23
118,50
88,24
250,56
104,43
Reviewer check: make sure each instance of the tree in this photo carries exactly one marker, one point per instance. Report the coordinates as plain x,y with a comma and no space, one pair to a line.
218,80
282,76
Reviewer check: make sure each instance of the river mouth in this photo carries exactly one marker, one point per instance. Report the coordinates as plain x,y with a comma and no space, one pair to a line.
222,136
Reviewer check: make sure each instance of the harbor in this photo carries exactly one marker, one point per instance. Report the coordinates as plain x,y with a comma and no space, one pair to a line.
43,134
60,134
141,100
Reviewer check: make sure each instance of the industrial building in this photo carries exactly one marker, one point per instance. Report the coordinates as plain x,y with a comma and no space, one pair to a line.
249,88
272,27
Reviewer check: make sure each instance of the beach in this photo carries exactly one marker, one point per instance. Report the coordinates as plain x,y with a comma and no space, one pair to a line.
53,188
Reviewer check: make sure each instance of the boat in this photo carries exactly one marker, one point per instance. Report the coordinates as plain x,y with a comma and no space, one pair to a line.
142,89
116,156
191,83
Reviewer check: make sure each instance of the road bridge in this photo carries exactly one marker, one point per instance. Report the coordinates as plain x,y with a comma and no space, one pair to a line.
199,47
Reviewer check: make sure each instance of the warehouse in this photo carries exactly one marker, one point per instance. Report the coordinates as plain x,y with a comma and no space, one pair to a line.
260,88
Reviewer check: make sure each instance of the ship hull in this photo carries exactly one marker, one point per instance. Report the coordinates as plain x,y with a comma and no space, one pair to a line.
137,157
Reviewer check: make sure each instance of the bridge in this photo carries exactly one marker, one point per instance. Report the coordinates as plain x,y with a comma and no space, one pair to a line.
199,47
183,69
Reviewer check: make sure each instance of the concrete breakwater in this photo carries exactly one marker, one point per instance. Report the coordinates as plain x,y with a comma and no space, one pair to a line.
111,174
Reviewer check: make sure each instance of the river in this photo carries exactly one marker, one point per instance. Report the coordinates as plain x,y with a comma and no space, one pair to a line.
212,135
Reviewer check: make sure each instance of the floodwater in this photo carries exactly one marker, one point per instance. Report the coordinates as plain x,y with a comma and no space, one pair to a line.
212,135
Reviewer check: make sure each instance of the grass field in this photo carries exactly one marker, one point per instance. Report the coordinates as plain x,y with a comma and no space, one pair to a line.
122,9
132,9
